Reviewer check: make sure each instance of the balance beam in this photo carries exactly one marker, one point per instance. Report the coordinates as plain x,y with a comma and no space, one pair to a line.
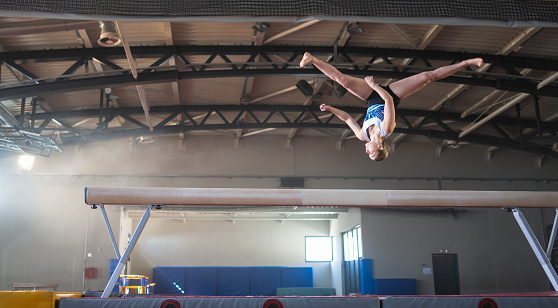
318,197
164,196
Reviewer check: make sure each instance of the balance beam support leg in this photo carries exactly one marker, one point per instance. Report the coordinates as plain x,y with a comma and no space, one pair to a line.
552,236
536,246
109,229
127,252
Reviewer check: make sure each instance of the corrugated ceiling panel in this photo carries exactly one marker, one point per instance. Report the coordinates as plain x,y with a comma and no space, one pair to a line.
329,97
378,35
469,97
54,40
544,44
203,33
93,34
50,69
321,33
127,96
267,85
7,20
211,91
547,107
426,98
87,99
473,39
415,32
144,33
13,105
8,76
159,94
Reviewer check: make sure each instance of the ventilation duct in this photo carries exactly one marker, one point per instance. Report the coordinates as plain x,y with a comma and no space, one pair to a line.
109,35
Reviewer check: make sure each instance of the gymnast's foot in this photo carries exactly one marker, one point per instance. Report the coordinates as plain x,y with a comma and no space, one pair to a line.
307,58
475,61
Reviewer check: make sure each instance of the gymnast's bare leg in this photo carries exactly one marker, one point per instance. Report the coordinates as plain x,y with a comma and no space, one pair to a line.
407,86
357,86
402,88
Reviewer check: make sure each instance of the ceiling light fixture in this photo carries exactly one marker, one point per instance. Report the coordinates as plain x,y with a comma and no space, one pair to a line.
305,88
145,139
26,161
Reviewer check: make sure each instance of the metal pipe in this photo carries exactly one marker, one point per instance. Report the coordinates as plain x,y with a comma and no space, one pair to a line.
85,251
127,252
7,117
33,112
519,127
109,229
538,114
107,106
101,111
552,235
536,246
22,112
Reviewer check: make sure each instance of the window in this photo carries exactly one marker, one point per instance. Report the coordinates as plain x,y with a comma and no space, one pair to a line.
352,254
352,246
319,249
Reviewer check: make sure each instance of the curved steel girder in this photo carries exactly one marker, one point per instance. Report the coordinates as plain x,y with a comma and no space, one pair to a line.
441,115
509,82
60,85
348,52
435,134
96,82
264,121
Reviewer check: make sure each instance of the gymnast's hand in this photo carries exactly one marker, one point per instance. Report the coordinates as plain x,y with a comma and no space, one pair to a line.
325,107
369,80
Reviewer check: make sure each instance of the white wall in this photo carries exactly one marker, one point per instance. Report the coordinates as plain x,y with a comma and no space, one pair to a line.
44,222
493,254
174,242
43,229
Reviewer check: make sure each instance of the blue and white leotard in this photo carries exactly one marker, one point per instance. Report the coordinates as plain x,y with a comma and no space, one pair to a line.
375,112
374,116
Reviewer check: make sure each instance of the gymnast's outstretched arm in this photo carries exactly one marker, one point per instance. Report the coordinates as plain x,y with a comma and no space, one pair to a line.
346,118
388,123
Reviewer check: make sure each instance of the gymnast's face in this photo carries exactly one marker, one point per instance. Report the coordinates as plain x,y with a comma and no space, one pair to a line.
373,149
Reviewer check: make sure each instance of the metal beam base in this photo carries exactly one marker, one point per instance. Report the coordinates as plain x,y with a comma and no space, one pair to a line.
122,259
535,245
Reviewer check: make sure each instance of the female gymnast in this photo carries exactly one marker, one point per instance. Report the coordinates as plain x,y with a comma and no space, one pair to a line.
379,122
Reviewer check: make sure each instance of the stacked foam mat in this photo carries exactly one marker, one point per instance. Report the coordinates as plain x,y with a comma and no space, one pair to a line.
223,302
47,299
539,300
33,299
